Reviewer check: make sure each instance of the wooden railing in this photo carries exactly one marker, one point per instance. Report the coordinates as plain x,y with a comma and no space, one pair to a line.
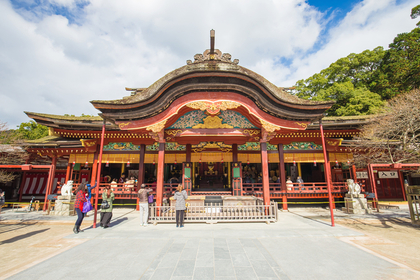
122,191
213,213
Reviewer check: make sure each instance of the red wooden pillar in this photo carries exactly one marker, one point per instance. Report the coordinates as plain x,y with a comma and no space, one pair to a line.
282,171
69,169
94,175
353,169
235,152
98,174
266,180
22,184
51,176
161,166
188,159
372,180
401,175
140,179
327,172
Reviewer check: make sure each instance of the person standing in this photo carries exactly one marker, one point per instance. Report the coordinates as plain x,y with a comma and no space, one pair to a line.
289,183
106,214
300,181
143,204
78,205
89,189
2,199
180,196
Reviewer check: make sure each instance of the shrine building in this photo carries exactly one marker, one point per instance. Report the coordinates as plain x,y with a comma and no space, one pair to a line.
212,125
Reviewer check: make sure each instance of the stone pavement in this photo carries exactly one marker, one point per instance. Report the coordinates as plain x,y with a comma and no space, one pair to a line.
293,248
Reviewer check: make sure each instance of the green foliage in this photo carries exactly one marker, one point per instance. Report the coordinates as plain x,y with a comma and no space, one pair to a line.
346,81
415,12
31,131
400,70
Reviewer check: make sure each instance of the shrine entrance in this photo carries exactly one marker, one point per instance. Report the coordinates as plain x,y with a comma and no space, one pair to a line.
212,176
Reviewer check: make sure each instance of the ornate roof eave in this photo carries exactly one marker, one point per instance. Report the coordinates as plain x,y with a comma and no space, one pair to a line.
70,122
210,69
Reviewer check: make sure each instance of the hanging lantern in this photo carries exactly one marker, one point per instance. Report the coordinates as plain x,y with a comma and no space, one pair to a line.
128,163
154,160
107,164
222,158
74,163
175,159
87,164
294,163
314,162
336,163
248,160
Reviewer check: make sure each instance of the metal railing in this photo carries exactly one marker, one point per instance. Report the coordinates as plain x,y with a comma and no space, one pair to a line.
214,213
413,198
121,191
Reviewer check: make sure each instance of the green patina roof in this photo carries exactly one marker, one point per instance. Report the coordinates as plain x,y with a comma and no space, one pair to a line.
345,118
66,118
44,139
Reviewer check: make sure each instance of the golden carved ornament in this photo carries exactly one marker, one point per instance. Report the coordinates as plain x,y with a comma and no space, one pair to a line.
87,143
213,107
304,125
122,125
173,132
251,132
157,127
269,127
212,122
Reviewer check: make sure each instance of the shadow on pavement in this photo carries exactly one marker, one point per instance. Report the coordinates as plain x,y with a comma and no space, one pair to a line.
23,236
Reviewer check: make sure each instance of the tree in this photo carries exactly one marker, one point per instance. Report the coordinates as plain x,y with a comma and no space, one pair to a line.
31,131
10,153
348,82
415,12
400,69
394,136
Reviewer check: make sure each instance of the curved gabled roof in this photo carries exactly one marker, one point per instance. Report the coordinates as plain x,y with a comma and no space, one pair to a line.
211,73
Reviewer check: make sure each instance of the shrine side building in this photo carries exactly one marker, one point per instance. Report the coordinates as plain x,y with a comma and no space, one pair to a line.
212,125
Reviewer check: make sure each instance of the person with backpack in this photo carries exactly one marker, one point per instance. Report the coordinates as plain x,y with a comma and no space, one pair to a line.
144,204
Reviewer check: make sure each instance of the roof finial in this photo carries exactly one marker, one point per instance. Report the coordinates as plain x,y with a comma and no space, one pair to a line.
212,39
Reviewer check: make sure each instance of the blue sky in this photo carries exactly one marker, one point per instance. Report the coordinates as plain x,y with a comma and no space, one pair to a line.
57,55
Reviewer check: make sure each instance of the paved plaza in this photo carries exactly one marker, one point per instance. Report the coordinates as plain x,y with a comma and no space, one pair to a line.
293,248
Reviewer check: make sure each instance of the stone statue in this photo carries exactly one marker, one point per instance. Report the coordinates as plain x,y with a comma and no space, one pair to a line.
354,188
67,188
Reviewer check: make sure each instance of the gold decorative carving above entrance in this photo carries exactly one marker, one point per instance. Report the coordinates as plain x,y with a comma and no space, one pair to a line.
156,128
211,145
213,107
212,122
269,127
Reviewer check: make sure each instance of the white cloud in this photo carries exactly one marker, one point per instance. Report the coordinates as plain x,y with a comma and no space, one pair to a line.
49,65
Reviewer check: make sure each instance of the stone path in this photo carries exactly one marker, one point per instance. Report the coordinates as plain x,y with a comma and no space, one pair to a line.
293,248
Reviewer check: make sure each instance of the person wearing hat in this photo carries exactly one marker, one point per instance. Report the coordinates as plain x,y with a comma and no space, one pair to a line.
143,204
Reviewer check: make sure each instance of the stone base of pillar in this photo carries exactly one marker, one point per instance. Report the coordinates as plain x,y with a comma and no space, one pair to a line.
356,205
64,206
